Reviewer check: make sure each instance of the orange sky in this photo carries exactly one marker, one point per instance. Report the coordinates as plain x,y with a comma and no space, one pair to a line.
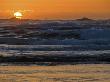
56,9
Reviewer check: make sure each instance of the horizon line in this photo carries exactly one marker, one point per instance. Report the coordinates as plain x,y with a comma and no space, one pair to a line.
58,19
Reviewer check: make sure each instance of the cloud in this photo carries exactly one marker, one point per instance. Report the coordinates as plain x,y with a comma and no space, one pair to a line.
8,11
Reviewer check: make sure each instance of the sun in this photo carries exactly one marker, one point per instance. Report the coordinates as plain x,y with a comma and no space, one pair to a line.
18,15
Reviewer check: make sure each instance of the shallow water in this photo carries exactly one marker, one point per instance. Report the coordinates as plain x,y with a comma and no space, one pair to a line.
60,73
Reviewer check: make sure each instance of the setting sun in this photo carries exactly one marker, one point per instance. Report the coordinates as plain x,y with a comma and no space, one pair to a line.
55,9
18,15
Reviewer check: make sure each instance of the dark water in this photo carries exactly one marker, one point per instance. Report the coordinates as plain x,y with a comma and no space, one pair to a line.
54,41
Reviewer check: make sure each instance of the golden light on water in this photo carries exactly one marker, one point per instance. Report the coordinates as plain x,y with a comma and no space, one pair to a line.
18,15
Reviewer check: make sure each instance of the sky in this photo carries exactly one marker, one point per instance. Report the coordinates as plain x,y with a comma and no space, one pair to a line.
56,9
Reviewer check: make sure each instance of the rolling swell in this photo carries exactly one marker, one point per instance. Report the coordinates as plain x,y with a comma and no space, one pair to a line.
54,43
